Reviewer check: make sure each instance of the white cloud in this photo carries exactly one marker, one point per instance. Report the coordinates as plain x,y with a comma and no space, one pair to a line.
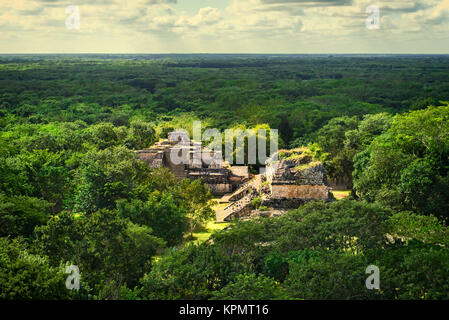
244,25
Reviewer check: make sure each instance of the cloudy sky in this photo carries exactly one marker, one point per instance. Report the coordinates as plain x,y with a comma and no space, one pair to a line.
223,26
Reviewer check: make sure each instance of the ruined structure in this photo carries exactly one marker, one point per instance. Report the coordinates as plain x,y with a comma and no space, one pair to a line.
295,179
189,160
292,178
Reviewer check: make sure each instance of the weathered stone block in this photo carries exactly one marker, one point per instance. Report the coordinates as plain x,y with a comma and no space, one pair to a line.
317,192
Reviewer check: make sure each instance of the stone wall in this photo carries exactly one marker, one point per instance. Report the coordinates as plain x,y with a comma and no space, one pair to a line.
295,178
154,158
294,174
219,188
316,192
284,203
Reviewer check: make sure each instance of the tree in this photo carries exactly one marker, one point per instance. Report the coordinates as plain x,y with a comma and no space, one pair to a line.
342,138
19,215
191,273
161,179
103,135
38,173
105,176
26,276
345,225
198,201
141,135
407,167
251,287
414,271
46,173
167,220
427,229
331,137
105,247
329,276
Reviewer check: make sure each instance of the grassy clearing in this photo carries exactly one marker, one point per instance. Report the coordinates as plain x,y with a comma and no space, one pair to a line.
204,232
200,236
204,235
341,194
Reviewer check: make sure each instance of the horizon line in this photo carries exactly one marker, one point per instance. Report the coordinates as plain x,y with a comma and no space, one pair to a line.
209,53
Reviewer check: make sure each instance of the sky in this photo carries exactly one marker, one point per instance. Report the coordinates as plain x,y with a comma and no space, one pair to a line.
224,26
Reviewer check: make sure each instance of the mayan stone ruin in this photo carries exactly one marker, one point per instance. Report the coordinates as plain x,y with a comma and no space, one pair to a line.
291,178
197,162
294,179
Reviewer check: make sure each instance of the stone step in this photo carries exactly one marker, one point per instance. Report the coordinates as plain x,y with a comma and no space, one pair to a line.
253,184
237,207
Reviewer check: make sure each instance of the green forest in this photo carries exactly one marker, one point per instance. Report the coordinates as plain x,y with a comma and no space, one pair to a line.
73,191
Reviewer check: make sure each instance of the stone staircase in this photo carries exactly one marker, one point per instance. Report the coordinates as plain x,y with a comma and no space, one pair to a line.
238,208
241,192
247,188
241,200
